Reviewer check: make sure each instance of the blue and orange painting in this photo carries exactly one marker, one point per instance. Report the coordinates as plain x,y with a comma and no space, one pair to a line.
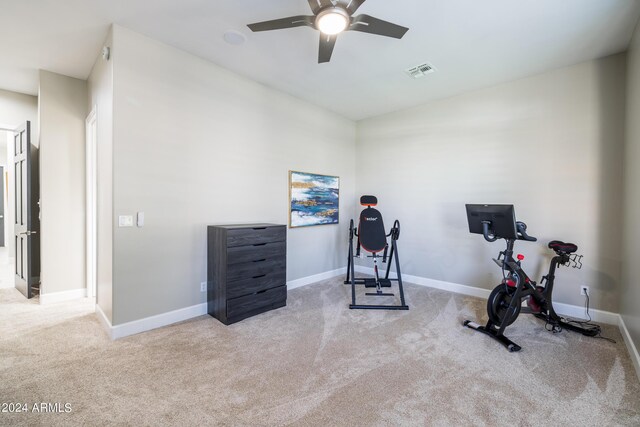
314,199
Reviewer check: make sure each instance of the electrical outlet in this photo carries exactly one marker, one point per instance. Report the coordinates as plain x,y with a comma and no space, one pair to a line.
584,290
203,287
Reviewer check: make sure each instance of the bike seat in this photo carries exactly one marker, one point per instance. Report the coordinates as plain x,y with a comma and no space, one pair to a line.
562,248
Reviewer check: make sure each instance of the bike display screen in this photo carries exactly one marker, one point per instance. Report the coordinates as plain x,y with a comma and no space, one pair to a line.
502,219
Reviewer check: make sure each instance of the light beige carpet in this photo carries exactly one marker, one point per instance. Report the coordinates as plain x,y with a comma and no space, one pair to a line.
313,363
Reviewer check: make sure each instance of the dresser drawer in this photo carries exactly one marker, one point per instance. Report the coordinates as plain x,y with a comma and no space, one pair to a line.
255,252
252,236
255,284
243,307
249,270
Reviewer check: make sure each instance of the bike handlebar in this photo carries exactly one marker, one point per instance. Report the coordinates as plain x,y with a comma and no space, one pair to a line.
521,228
486,232
521,231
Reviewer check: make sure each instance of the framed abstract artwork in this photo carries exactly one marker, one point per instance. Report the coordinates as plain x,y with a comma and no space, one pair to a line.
313,199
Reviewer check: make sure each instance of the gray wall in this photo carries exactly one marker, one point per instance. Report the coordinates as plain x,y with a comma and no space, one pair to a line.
193,145
100,85
550,144
62,112
630,292
15,109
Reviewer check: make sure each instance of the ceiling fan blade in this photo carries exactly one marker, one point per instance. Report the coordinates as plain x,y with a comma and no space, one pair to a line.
316,5
278,24
327,43
369,24
351,5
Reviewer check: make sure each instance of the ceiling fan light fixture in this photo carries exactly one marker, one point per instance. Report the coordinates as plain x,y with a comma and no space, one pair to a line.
333,21
330,18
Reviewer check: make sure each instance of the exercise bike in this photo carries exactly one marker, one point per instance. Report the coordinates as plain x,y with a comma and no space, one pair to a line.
505,301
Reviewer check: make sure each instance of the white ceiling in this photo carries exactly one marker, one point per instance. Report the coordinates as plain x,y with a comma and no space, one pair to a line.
472,43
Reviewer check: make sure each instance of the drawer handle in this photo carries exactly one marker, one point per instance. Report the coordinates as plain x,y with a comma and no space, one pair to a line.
260,228
259,244
257,277
262,291
260,260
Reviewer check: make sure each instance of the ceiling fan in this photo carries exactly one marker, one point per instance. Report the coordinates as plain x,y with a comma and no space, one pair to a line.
331,17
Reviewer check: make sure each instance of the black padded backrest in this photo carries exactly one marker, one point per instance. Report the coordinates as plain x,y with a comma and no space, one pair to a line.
371,230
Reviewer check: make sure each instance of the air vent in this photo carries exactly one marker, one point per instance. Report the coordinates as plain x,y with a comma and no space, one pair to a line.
419,71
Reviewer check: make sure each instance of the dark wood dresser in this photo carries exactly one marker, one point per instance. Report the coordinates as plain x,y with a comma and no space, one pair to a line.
246,269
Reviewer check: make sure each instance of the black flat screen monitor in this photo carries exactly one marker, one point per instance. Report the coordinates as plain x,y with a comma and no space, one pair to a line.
502,218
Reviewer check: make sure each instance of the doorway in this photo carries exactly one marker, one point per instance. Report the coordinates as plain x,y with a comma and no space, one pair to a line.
7,269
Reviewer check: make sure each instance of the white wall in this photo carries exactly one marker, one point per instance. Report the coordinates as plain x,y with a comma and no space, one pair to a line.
550,144
100,86
630,292
15,109
62,112
195,145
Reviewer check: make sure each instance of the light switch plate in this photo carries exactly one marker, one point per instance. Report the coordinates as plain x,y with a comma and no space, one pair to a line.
125,221
140,219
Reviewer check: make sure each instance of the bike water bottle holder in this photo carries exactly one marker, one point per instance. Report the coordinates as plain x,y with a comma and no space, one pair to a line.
573,261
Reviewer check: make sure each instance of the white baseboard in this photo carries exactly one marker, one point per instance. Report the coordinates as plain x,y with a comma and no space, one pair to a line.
54,297
304,281
633,350
448,286
157,321
104,321
165,319
569,310
432,283
577,312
